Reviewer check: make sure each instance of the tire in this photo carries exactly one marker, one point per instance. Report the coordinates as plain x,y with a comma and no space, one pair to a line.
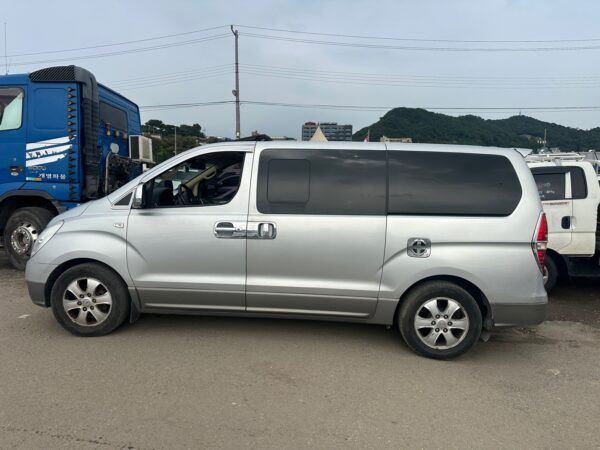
21,231
550,273
96,314
419,308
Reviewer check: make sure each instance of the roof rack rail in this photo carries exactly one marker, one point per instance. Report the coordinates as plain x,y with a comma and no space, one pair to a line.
559,157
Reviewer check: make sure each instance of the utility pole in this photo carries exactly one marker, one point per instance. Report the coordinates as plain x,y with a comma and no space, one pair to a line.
236,91
175,126
5,53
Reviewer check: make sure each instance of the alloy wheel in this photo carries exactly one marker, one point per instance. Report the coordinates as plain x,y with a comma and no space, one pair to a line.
441,323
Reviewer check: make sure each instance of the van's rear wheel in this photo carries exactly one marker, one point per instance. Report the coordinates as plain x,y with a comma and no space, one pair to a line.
90,300
550,273
440,320
21,231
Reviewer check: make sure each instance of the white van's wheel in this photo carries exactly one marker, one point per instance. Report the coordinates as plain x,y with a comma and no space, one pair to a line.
90,300
550,273
440,320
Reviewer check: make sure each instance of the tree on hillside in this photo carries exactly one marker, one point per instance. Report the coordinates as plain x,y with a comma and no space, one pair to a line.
188,136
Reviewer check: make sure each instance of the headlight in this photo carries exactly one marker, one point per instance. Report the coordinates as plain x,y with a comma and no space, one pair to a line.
45,236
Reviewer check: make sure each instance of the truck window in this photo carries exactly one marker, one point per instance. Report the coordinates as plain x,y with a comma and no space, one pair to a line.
337,182
452,184
117,118
11,108
551,186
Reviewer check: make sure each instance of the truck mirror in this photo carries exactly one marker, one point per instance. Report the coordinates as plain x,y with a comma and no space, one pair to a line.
138,197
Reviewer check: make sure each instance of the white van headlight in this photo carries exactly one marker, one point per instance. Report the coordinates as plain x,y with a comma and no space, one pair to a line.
45,236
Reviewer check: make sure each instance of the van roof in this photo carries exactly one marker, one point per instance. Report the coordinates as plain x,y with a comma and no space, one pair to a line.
341,145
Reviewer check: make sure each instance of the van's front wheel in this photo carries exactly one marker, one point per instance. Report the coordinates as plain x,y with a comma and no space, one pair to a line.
440,320
90,300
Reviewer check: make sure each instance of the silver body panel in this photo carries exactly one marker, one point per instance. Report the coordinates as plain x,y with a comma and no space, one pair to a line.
353,268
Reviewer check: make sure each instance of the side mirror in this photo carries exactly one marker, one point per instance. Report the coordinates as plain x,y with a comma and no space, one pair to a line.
138,197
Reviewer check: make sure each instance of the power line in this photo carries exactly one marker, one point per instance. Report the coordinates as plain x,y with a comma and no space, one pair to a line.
171,78
420,48
115,44
125,52
387,38
379,81
496,109
443,77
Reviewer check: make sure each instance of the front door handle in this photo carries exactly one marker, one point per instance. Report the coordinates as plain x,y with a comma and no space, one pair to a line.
262,230
230,230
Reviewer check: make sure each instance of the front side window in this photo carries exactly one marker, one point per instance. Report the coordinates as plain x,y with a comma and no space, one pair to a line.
206,180
336,182
11,108
551,186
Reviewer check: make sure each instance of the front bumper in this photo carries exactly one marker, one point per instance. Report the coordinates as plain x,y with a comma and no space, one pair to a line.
36,276
519,314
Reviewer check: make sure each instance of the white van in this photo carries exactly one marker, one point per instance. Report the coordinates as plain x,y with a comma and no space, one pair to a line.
570,194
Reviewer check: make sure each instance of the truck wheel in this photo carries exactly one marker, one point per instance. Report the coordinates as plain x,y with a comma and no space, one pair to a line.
90,300
21,231
550,273
440,320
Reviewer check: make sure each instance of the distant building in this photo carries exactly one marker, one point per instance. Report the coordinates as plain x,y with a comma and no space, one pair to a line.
331,130
405,140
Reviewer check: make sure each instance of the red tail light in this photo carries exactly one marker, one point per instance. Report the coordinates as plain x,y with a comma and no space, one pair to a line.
540,242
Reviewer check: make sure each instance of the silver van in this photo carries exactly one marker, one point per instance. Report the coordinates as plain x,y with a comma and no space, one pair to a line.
444,242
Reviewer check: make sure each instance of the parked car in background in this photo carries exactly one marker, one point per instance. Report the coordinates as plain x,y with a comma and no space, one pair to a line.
570,193
445,242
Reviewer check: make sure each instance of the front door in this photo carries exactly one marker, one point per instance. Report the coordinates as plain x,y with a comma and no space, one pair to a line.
316,231
186,246
12,138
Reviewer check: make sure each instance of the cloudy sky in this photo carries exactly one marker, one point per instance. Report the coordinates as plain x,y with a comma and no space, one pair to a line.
427,55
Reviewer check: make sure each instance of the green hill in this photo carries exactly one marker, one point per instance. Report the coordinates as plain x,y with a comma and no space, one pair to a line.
517,131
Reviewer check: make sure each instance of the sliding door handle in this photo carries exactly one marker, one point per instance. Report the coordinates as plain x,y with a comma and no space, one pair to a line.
262,230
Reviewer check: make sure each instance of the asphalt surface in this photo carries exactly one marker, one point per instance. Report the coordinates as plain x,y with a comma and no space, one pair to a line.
204,382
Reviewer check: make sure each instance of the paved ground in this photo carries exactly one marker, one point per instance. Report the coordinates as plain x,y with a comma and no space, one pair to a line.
193,382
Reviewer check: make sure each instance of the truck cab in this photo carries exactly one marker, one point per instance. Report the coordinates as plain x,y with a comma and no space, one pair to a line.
570,194
64,140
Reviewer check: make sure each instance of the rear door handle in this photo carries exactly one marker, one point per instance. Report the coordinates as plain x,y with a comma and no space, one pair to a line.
230,230
565,223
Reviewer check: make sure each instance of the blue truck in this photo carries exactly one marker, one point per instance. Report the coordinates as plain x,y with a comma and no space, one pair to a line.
64,139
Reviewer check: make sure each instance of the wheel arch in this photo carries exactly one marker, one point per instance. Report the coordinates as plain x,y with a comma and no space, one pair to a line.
9,203
561,263
61,268
478,295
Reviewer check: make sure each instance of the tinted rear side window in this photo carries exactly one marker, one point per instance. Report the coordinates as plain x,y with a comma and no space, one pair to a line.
578,186
337,182
458,184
